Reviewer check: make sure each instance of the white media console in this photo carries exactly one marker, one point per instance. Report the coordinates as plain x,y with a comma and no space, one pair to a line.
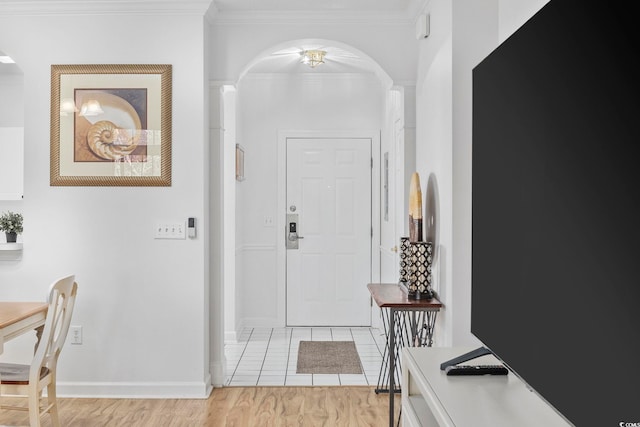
431,398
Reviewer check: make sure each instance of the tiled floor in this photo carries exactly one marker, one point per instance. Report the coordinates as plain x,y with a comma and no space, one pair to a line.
269,356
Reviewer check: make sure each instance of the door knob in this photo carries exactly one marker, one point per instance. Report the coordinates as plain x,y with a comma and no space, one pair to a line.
394,249
294,236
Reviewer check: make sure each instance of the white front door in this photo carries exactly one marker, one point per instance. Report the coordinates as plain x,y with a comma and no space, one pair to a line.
329,188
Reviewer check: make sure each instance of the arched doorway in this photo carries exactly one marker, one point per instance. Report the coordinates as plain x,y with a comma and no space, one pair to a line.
276,96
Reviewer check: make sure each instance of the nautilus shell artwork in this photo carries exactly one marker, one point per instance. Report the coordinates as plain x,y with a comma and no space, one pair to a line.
116,132
109,142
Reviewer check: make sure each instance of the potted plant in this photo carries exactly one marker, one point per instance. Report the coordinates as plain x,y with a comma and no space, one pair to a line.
11,224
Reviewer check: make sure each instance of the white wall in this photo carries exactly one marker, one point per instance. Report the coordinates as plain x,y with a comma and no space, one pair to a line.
142,303
463,32
475,34
514,13
267,105
434,147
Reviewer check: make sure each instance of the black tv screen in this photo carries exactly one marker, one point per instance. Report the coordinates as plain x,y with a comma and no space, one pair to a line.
556,208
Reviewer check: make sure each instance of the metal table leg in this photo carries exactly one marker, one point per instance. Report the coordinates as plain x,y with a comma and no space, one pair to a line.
392,344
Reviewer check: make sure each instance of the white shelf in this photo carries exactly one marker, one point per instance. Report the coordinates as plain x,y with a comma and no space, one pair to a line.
10,251
10,246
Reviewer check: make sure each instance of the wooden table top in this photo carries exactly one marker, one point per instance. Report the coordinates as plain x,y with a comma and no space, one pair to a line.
392,295
13,312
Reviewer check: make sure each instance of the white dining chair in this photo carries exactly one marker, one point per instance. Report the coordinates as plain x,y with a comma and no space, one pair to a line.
30,380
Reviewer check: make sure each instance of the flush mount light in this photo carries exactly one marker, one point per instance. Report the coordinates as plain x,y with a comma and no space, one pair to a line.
313,58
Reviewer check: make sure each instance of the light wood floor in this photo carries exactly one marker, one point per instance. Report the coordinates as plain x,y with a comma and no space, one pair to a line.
229,406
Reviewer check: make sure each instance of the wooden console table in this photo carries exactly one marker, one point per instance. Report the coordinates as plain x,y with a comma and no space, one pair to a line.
407,323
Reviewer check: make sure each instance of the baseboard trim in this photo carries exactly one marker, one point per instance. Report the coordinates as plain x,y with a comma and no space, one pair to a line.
136,390
218,374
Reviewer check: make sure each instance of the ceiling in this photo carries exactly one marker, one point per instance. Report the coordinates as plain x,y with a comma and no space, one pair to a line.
338,59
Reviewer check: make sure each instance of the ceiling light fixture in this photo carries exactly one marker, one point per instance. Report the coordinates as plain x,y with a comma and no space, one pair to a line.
313,58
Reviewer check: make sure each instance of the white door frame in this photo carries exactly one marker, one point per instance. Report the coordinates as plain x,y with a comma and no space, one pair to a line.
281,255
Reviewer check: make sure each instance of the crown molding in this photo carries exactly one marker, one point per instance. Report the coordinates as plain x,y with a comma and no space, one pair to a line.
227,17
104,7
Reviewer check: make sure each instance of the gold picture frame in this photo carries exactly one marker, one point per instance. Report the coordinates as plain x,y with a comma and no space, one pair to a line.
111,125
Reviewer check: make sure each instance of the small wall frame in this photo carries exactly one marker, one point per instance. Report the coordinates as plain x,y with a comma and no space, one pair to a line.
239,163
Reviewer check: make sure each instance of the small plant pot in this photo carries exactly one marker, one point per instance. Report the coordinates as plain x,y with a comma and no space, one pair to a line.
11,237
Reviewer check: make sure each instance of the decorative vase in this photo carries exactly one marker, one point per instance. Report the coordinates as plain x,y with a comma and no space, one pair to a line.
405,254
11,237
418,262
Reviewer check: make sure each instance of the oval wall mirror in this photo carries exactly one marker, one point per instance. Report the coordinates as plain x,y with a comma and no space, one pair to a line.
431,214
11,129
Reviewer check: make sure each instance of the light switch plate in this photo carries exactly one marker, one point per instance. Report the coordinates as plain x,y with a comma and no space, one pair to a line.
170,230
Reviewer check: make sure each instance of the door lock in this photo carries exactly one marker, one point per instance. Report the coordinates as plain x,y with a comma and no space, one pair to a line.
292,236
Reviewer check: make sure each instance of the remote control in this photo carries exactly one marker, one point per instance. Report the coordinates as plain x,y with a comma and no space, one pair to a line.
476,370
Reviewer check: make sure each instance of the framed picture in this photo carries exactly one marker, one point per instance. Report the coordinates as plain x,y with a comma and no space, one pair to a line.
239,163
111,125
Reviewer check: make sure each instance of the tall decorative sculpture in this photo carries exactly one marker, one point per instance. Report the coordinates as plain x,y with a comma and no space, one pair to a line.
416,255
415,209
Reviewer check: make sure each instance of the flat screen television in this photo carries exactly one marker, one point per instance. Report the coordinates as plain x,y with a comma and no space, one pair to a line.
556,209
